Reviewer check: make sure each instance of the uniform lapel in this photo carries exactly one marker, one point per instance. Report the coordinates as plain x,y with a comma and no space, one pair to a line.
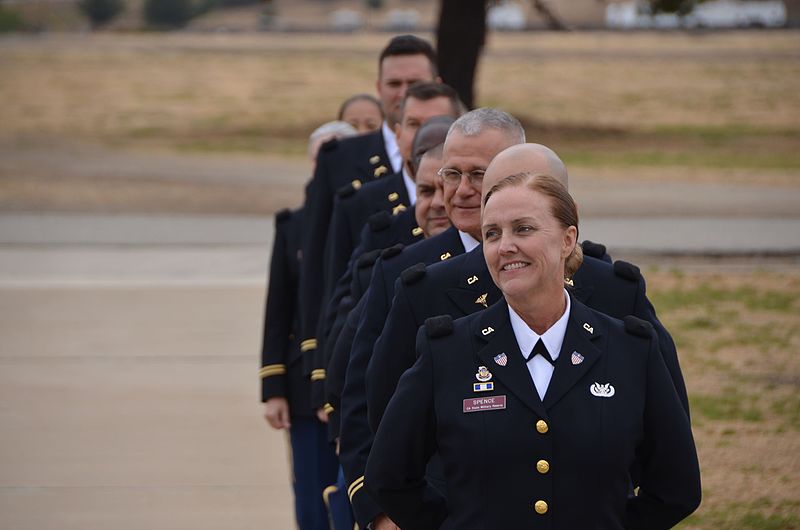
475,290
579,288
583,338
373,158
495,336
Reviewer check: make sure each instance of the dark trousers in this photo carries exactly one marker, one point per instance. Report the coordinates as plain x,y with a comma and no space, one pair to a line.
315,467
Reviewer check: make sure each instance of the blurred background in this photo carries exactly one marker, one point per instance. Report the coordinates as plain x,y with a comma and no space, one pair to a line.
146,145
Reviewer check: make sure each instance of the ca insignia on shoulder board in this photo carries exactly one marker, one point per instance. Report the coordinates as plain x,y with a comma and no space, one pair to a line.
380,170
393,196
374,159
416,232
501,359
472,279
569,282
576,358
483,374
398,209
588,328
486,331
444,256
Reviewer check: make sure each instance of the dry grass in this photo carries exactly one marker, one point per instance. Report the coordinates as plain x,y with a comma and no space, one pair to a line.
738,337
715,101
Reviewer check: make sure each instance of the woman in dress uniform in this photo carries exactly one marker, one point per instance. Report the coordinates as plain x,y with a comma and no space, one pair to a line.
546,414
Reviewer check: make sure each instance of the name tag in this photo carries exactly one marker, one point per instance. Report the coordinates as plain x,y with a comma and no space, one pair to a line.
484,403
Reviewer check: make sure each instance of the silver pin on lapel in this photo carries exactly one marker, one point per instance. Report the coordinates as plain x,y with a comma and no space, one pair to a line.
576,358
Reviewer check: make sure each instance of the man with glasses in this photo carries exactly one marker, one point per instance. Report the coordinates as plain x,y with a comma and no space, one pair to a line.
473,140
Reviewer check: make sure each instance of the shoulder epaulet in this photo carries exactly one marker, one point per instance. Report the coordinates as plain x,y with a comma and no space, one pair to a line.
368,259
595,250
626,270
283,215
637,326
439,326
379,221
330,144
413,273
348,189
392,251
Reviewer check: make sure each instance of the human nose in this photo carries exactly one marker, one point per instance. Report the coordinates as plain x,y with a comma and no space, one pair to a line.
507,244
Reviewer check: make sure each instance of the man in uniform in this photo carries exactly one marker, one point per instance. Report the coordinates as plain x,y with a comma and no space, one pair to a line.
405,60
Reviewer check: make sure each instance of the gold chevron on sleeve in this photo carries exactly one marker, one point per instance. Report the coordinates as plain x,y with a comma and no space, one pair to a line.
272,369
318,374
355,486
308,344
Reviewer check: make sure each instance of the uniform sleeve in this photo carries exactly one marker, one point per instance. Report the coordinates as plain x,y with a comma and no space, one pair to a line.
278,314
670,481
318,206
644,309
394,353
337,369
405,441
356,436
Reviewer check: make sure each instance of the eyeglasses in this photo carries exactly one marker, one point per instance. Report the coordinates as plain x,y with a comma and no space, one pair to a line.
452,176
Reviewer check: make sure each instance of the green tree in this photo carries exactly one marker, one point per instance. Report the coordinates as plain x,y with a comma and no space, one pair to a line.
101,12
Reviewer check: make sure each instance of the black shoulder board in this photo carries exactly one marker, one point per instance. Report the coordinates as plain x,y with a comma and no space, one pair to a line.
626,270
595,250
392,251
439,326
330,144
346,191
413,273
367,259
637,326
380,221
283,215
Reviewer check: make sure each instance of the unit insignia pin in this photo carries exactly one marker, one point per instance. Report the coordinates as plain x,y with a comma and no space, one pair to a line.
374,159
588,328
576,358
393,196
472,280
602,390
487,331
501,359
482,299
483,374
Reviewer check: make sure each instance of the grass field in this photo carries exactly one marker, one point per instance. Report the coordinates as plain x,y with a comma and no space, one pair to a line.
737,335
719,102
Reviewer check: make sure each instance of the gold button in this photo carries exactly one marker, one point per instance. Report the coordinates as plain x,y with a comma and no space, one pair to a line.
540,507
542,427
542,466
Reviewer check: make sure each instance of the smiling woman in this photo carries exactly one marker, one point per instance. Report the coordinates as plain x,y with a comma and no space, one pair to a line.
542,410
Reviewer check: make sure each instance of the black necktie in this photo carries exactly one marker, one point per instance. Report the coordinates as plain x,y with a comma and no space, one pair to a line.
540,349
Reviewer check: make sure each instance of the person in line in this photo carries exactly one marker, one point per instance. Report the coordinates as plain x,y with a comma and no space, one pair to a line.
538,406
285,390
363,112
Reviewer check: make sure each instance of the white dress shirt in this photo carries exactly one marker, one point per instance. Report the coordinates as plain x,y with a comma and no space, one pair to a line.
411,187
392,149
469,242
540,368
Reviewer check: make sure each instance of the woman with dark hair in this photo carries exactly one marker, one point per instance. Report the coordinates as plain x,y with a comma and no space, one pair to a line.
544,412
363,112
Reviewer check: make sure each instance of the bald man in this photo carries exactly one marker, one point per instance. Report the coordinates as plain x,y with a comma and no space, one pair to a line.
462,285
